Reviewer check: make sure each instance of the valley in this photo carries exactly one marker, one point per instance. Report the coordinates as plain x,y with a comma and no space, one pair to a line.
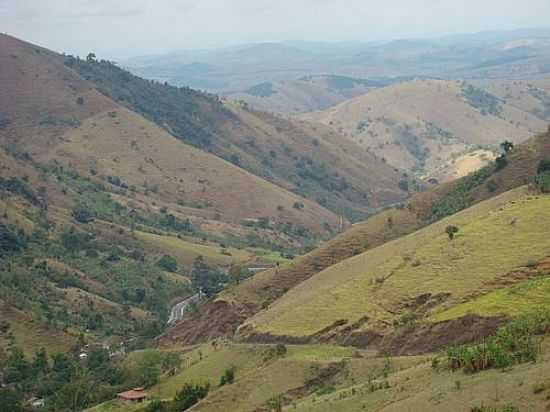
323,227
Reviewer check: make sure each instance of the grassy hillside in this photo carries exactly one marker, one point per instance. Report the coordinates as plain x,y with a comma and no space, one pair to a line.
423,125
93,196
248,298
496,236
331,378
310,161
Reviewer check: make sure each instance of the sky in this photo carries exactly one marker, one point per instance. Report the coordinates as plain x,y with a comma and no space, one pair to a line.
125,28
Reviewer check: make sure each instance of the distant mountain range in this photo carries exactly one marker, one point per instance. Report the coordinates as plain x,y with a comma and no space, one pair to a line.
492,54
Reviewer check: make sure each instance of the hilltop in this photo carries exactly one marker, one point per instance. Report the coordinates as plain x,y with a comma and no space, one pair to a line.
306,94
426,126
309,160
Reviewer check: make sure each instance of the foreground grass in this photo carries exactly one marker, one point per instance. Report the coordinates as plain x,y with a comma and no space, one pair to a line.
362,382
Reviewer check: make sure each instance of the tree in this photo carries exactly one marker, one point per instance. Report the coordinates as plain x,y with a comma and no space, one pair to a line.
10,400
82,214
404,185
228,376
168,263
17,367
40,363
10,241
451,231
90,57
205,278
507,146
544,166
236,274
189,395
148,368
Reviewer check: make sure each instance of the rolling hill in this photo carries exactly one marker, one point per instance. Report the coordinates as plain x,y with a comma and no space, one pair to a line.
237,304
307,94
426,125
55,116
309,160
519,54
420,272
94,195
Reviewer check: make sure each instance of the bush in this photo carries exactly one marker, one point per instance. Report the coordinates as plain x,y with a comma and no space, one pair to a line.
189,395
514,343
228,376
542,182
11,240
544,166
451,231
83,215
168,263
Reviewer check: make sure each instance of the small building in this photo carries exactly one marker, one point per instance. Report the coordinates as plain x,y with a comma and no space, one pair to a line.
37,403
135,395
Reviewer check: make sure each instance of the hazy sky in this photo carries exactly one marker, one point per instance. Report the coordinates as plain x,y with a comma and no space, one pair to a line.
132,27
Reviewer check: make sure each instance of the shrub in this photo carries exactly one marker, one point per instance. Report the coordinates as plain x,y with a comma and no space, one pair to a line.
10,240
451,231
228,376
189,395
82,214
168,263
514,343
542,182
544,166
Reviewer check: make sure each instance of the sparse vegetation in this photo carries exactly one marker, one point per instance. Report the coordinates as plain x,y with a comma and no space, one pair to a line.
515,343
451,231
482,100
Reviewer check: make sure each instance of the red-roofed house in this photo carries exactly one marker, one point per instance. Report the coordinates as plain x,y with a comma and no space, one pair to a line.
134,395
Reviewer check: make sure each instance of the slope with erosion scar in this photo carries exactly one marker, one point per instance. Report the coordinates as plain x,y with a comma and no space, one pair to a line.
246,299
495,237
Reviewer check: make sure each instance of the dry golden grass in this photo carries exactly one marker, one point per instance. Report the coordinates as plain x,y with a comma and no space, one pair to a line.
141,154
411,107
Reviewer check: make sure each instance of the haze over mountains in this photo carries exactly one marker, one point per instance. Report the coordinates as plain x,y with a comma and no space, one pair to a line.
349,227
488,55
